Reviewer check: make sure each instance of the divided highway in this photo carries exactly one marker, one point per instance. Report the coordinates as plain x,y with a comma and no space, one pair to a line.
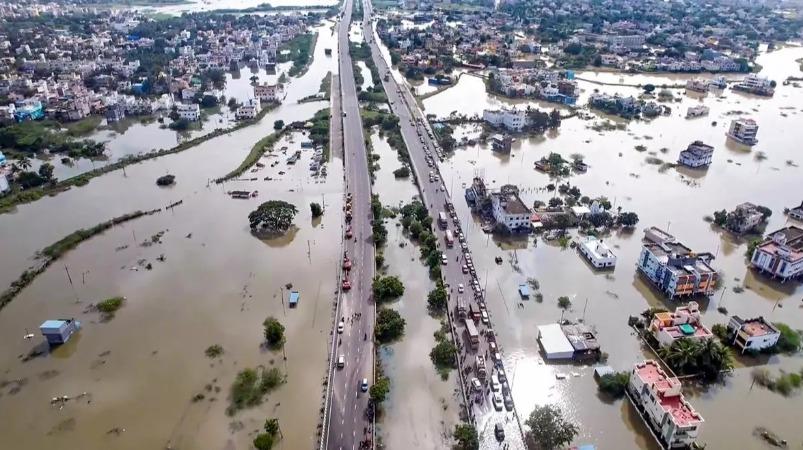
348,425
486,413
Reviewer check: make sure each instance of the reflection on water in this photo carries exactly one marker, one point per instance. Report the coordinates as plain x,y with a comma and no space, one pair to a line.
671,198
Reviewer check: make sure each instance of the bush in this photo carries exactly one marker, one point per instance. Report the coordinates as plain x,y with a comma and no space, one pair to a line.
278,125
213,351
720,331
166,180
274,332
387,288
614,384
564,302
389,325
402,172
263,441
789,342
379,391
444,355
466,437
437,299
316,209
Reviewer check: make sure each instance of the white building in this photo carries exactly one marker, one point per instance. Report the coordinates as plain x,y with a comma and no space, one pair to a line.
509,210
4,185
248,110
744,131
781,254
266,92
659,399
597,253
190,111
667,327
696,155
752,334
510,118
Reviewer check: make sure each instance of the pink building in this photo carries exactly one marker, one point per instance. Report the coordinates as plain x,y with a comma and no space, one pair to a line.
659,399
667,327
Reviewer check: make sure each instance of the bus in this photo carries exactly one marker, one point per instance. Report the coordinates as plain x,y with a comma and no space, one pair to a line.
449,238
442,219
473,336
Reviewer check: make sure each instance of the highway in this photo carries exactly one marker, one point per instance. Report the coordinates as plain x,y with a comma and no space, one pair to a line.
424,157
347,424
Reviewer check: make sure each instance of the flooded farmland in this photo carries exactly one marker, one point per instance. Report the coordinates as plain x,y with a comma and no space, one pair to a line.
147,381
663,196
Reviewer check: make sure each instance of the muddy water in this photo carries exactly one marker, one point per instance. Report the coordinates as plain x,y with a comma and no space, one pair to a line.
673,198
367,81
216,285
421,410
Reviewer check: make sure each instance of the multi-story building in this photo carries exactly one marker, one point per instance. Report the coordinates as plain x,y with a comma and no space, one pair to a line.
189,111
674,268
796,212
597,253
752,334
248,110
781,254
509,210
743,131
513,119
746,217
266,92
684,323
755,84
696,155
659,399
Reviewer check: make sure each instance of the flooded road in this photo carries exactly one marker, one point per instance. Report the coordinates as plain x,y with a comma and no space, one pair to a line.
217,283
666,197
421,409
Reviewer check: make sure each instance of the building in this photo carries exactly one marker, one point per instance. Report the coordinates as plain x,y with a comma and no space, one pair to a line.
583,340
597,253
512,119
674,268
755,84
697,111
501,143
115,113
796,212
746,217
249,110
660,401
752,334
266,92
59,331
684,323
510,211
781,254
743,131
191,112
5,186
696,155
554,343
697,85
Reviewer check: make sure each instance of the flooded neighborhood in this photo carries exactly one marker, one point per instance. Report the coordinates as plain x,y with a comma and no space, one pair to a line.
404,225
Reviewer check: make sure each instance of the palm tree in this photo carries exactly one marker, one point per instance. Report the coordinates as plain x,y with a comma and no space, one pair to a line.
682,355
714,358
24,163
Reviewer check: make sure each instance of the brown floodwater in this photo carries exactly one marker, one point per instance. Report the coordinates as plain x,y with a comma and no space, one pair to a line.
670,198
421,409
216,285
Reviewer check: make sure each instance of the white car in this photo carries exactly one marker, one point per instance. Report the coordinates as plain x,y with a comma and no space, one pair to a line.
485,319
460,288
476,385
340,327
341,361
444,259
364,385
495,385
497,400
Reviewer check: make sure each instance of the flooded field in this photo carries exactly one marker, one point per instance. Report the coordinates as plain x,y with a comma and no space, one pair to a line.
670,198
421,409
142,371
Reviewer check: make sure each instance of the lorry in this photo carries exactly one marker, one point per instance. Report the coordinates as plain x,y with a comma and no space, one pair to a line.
461,308
442,220
449,237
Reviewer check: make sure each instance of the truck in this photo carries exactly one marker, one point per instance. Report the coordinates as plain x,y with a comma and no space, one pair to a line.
442,219
461,308
449,237
479,367
473,335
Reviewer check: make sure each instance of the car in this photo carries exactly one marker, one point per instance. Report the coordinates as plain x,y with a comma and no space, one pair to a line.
485,318
495,383
341,361
444,259
502,376
465,268
364,385
492,347
476,385
460,288
497,401
340,327
499,432
508,401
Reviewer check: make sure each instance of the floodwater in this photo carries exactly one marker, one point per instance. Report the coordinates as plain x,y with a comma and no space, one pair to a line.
216,285
210,5
421,409
671,198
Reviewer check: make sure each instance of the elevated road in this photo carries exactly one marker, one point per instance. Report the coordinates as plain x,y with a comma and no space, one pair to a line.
348,425
424,158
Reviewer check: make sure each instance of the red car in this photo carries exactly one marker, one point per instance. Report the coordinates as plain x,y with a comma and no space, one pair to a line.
349,234
346,284
346,263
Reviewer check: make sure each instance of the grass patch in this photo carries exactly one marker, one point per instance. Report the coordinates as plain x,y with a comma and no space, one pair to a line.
250,387
298,50
83,126
107,308
213,351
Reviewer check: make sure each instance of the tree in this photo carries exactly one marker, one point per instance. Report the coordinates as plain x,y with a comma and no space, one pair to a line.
208,101
233,104
564,302
274,331
649,88
789,341
415,229
627,219
387,288
402,172
681,355
548,429
24,163
389,325
278,125
379,391
437,299
273,216
614,384
444,355
46,171
263,441
316,209
554,202
272,426
466,437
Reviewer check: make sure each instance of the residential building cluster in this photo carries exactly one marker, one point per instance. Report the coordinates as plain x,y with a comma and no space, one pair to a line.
675,269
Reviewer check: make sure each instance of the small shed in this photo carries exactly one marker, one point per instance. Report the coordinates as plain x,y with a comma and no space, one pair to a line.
59,331
524,291
294,297
554,342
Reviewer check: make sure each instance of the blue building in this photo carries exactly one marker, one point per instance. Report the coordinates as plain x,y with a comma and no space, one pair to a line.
29,110
59,331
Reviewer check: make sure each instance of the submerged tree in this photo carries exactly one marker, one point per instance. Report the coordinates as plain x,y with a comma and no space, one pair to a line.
548,429
274,216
